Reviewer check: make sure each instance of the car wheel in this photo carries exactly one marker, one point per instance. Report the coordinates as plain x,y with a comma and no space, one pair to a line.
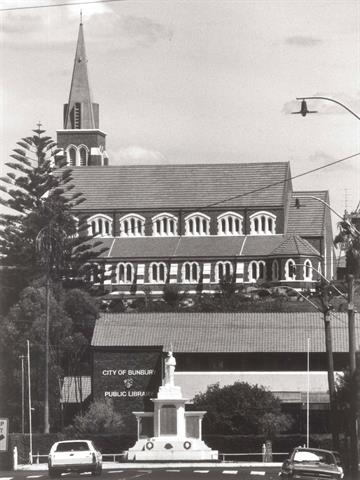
53,473
97,471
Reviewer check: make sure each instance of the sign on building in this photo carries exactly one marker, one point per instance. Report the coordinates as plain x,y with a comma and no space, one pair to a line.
4,430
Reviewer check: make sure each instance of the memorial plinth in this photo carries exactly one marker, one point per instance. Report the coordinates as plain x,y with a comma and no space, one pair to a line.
170,433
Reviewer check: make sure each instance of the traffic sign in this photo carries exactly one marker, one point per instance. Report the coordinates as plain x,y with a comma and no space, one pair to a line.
4,430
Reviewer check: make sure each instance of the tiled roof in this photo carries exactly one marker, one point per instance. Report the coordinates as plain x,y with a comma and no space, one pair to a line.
222,332
207,246
295,244
180,186
75,389
309,219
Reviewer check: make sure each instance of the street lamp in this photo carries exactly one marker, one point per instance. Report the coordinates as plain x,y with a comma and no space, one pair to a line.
304,110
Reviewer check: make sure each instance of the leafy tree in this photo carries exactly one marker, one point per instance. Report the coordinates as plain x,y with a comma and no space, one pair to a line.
349,239
241,408
68,348
101,417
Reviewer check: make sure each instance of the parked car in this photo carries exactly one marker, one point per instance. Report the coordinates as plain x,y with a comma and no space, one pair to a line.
74,455
311,464
339,463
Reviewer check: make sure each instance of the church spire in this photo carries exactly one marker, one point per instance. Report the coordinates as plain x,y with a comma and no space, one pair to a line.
80,112
81,143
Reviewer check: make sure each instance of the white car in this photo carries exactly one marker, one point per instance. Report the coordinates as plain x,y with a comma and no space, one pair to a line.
74,455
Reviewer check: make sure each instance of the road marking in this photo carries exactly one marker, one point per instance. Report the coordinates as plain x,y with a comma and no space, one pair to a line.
257,473
201,471
6,478
115,471
230,472
34,476
174,471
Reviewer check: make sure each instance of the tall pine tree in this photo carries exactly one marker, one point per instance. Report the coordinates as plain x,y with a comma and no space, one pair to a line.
39,234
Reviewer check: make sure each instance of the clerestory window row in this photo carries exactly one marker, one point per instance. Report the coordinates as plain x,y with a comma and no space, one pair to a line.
196,224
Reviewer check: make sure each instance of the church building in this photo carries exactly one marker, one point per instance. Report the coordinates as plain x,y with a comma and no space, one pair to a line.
190,224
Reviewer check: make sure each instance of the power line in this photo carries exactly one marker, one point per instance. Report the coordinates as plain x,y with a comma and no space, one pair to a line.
63,4
282,181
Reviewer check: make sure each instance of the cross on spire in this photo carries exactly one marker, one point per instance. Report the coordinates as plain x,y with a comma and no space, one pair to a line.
39,130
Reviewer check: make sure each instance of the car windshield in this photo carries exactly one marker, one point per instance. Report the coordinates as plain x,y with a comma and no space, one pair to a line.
313,456
72,447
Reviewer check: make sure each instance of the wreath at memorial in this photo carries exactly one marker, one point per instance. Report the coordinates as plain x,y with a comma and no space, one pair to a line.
187,445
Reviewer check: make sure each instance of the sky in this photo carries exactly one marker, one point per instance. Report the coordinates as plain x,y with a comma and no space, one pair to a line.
195,81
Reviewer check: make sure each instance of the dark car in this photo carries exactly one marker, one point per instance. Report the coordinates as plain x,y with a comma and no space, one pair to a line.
311,464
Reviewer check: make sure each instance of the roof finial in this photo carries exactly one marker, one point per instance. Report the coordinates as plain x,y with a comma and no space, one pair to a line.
81,22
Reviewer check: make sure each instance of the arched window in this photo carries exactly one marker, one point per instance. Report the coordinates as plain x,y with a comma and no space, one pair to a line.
262,223
71,156
223,270
308,271
275,270
75,227
257,271
157,272
125,273
132,225
230,223
290,270
190,272
94,273
164,225
197,224
83,155
100,225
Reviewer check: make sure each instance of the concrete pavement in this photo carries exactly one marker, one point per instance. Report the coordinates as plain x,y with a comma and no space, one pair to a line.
131,465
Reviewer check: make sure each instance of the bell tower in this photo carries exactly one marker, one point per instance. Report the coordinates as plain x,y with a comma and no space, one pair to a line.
81,141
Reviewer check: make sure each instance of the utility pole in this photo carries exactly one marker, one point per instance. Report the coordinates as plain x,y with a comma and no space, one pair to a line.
46,400
331,380
29,386
22,395
354,453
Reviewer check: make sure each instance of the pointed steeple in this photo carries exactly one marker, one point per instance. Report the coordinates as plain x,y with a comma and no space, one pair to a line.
80,112
81,142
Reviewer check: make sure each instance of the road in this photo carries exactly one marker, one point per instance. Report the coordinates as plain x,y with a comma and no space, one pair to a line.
166,473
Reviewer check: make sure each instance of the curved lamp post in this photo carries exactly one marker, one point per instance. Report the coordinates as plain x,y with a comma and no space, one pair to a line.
304,110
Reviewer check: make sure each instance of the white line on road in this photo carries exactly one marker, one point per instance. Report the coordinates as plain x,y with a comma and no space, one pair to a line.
230,472
201,471
6,478
34,476
257,473
173,471
115,471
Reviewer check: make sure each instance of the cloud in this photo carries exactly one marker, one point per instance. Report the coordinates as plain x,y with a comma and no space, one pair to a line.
302,41
319,159
143,30
135,154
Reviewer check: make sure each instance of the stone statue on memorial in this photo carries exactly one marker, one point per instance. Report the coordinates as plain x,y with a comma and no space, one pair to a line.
170,364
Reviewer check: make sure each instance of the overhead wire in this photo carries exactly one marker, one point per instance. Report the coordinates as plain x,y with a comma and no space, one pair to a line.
63,4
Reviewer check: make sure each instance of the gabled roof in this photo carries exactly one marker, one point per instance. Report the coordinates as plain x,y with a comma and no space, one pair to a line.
309,218
223,332
208,246
146,187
